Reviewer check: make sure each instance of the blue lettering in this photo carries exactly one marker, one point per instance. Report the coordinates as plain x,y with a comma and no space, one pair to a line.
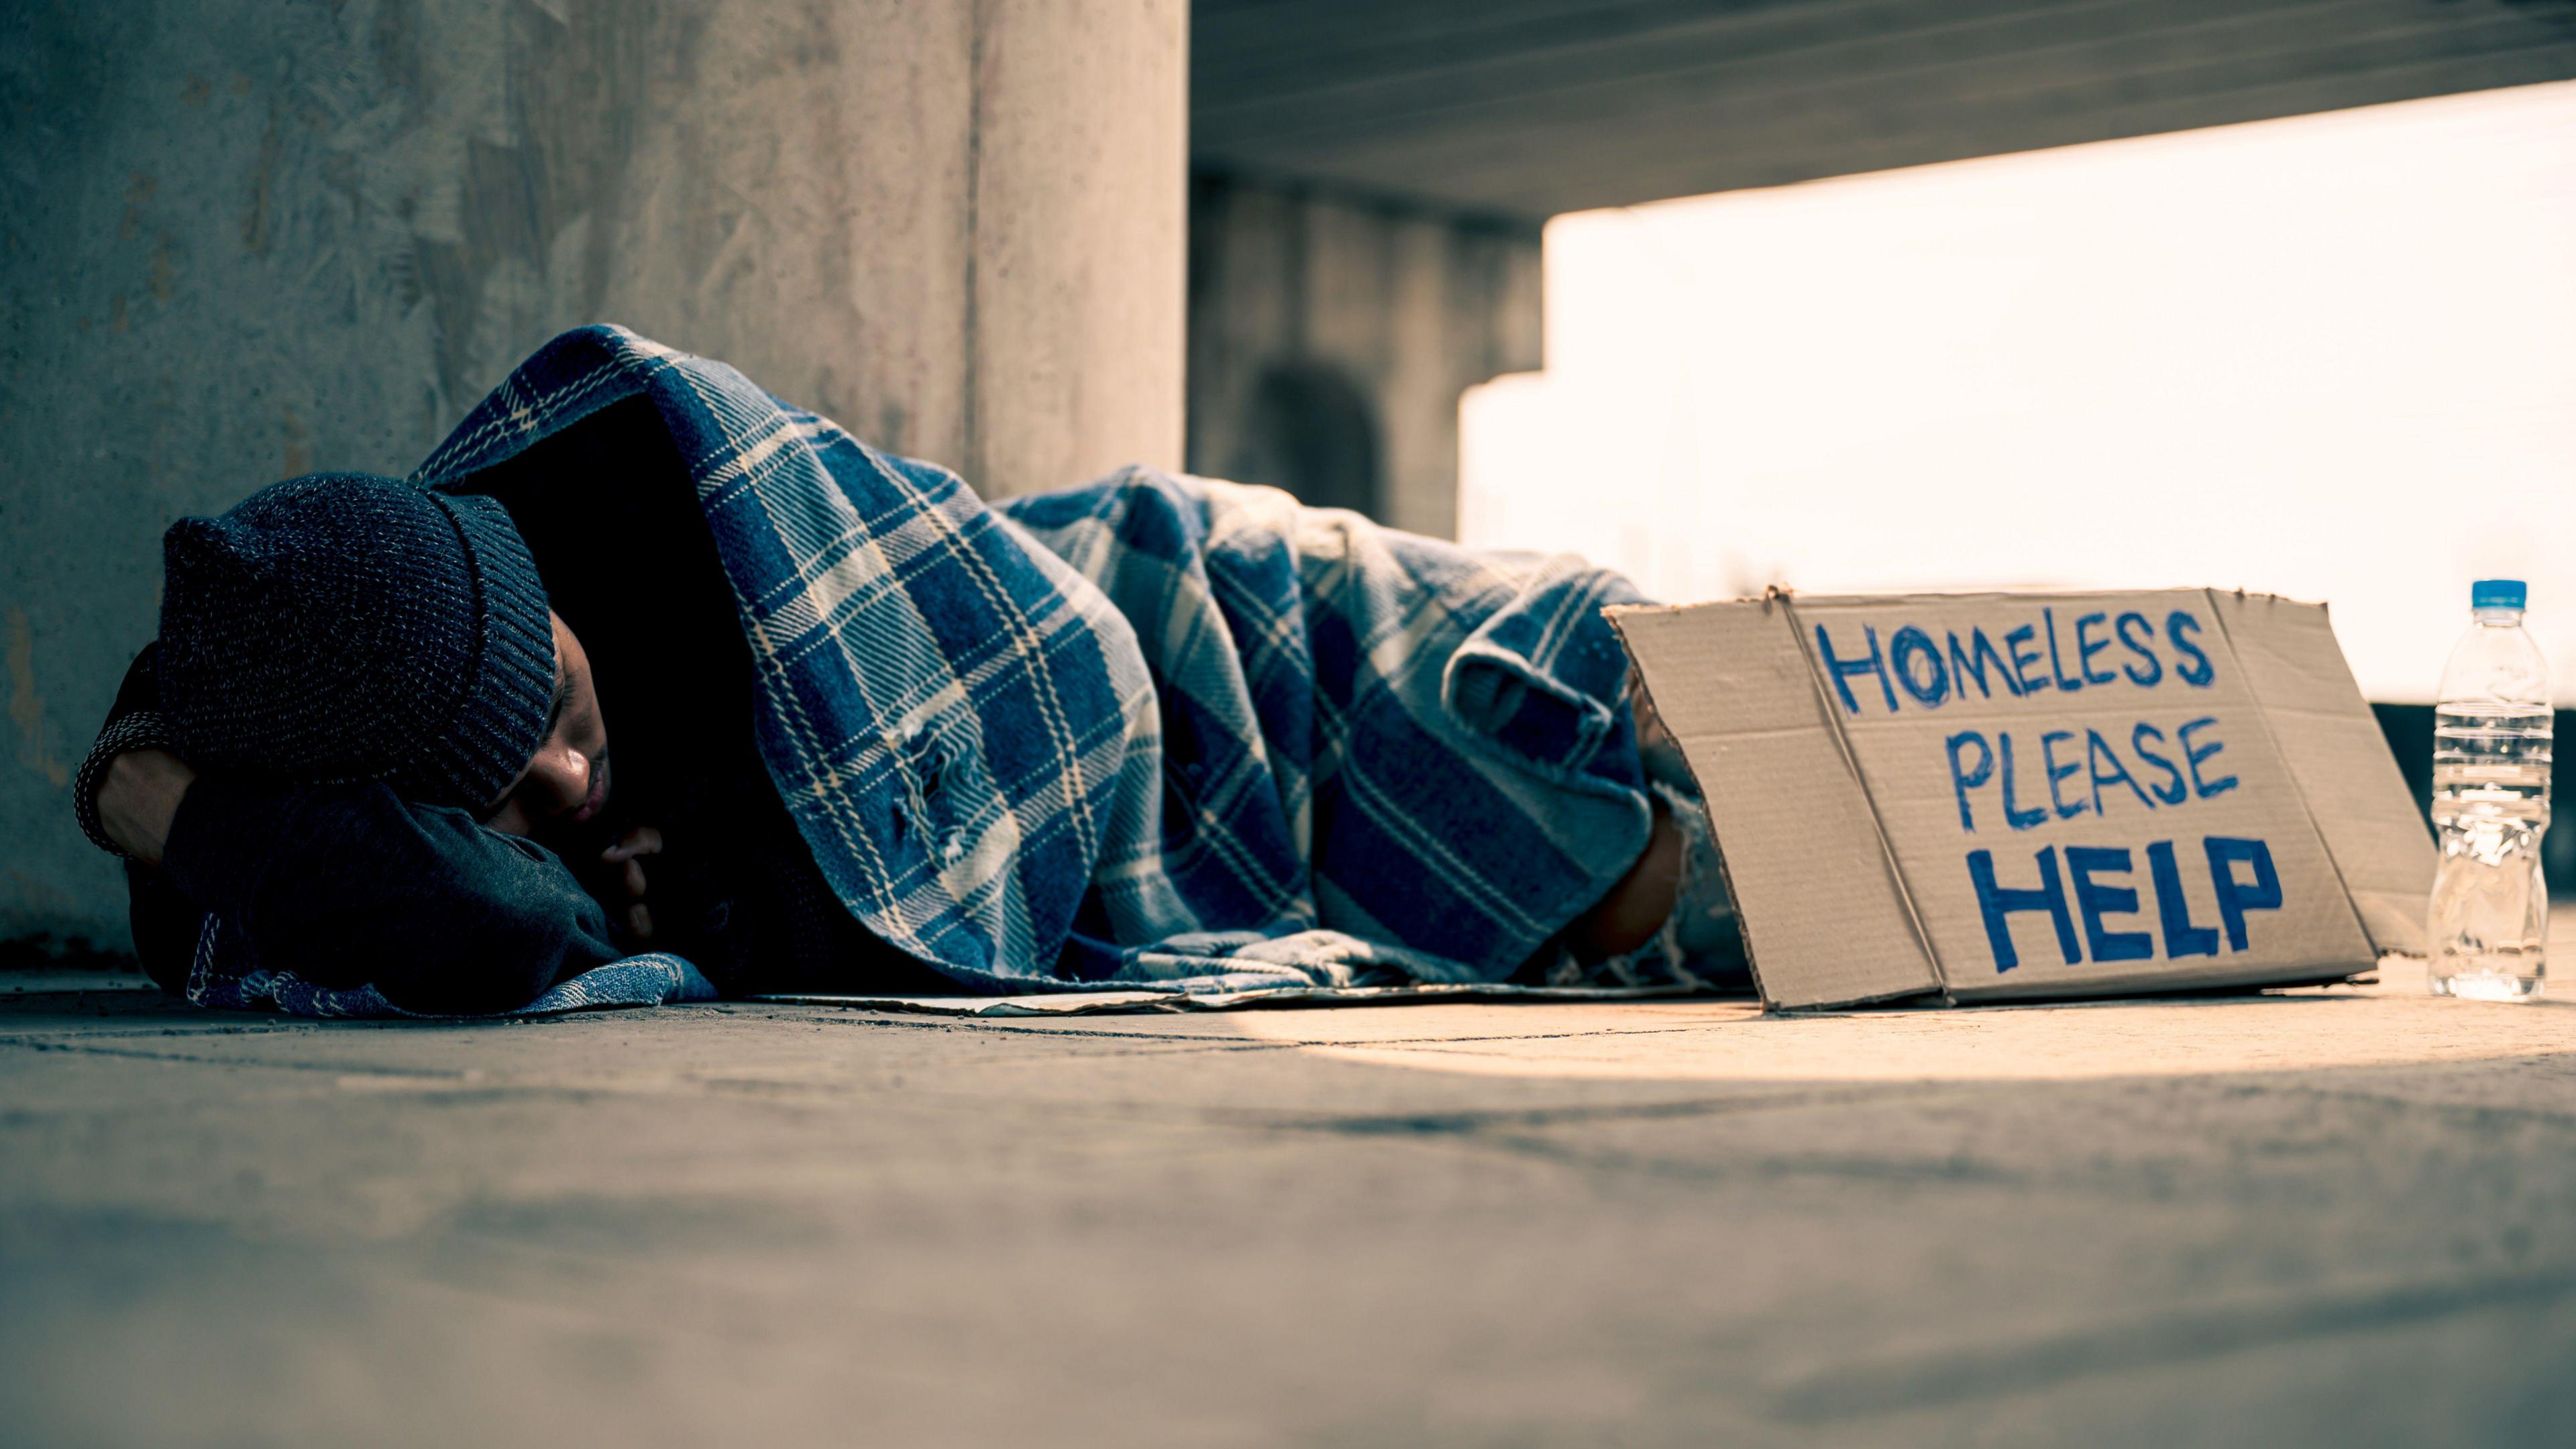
2057,772
1971,664
2056,670
1842,670
2095,900
2173,910
2193,754
2196,671
1962,781
1913,644
2236,897
2017,819
1998,905
2022,662
2138,642
2085,650
2138,742
2096,751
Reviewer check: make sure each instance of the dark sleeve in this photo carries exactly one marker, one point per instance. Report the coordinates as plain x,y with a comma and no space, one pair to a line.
141,688
350,885
134,722
165,924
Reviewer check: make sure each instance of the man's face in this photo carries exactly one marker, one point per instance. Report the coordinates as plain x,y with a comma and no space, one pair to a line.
567,778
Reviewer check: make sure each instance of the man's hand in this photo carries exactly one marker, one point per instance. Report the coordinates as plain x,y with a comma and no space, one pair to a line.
139,798
643,840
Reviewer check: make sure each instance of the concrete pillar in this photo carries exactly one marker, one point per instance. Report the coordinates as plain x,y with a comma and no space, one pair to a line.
1315,315
241,239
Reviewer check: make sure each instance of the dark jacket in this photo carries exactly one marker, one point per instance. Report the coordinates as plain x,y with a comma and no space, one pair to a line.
350,885
343,885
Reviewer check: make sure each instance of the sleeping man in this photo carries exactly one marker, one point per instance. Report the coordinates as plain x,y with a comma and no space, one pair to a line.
649,686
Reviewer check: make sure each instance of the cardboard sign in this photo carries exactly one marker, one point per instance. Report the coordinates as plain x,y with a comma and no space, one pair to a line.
1994,795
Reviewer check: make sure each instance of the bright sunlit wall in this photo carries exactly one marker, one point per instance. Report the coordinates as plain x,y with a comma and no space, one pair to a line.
2332,357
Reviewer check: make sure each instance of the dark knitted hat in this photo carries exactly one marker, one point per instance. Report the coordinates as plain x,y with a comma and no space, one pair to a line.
340,627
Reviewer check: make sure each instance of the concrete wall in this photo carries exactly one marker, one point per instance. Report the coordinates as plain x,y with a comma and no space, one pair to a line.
242,239
1331,334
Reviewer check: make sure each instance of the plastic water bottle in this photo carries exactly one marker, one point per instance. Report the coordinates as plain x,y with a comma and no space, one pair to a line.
2491,752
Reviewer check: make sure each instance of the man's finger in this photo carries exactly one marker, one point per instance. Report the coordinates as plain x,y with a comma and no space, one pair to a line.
642,840
633,880
639,921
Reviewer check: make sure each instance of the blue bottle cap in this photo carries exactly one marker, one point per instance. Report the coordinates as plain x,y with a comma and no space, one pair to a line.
2497,594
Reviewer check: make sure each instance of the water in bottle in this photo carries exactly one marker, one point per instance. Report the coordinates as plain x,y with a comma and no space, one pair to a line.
2491,751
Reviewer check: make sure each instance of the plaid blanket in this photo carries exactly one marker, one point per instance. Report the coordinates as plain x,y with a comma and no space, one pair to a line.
1156,731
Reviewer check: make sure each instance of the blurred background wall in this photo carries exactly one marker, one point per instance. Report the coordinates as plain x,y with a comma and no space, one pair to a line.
2224,307
1490,118
240,240
1331,334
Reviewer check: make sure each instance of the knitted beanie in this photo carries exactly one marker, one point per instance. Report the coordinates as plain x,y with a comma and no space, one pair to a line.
340,627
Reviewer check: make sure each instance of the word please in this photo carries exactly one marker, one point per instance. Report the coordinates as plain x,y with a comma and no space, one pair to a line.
1931,672
2093,871
2081,773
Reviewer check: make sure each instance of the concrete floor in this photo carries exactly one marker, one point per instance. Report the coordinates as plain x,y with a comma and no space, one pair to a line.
2321,1217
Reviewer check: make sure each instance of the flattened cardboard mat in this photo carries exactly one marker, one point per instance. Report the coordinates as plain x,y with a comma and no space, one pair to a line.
1103,1003
2005,795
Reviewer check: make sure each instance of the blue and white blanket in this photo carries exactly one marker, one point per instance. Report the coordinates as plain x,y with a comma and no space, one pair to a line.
1156,731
